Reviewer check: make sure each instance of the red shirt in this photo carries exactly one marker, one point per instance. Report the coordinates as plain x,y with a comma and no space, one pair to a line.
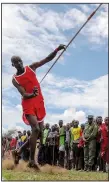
99,133
104,141
13,143
35,105
28,81
81,141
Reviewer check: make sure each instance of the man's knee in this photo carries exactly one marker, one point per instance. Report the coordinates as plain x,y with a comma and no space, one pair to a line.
36,129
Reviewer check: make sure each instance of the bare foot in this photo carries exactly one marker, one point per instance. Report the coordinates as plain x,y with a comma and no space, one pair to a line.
15,156
33,165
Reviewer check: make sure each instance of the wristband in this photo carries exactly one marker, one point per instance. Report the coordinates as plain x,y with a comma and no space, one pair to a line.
56,50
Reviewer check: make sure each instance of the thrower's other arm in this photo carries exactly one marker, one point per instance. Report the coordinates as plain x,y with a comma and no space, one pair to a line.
36,65
22,91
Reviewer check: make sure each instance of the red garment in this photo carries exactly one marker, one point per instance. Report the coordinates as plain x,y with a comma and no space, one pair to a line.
104,143
13,143
33,106
98,138
81,141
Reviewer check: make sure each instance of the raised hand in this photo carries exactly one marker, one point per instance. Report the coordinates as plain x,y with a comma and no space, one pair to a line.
61,46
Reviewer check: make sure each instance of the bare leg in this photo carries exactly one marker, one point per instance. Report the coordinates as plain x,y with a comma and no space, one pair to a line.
35,132
32,142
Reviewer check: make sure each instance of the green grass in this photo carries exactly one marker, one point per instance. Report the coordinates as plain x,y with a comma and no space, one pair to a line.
70,175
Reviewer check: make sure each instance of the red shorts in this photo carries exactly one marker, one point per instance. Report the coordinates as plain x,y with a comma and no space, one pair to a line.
35,108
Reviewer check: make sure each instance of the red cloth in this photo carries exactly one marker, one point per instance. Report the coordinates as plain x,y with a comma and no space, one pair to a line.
99,133
104,143
13,143
33,106
81,141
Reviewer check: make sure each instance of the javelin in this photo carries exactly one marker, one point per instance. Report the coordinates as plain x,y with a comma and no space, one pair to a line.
92,14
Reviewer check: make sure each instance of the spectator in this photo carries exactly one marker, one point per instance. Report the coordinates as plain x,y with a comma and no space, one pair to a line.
67,147
19,141
76,134
52,146
28,134
89,137
13,143
81,149
43,150
61,143
104,143
24,137
98,160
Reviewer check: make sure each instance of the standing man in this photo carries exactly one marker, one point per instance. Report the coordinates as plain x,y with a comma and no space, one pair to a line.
52,146
98,160
23,140
81,149
61,143
89,137
24,137
43,149
32,100
76,134
105,144
67,146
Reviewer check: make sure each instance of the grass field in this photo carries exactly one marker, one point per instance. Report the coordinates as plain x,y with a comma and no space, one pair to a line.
69,175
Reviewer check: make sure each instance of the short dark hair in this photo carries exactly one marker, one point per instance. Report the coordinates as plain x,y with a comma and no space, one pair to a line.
61,120
17,58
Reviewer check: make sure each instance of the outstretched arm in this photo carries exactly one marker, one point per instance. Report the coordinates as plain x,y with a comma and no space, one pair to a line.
36,65
22,91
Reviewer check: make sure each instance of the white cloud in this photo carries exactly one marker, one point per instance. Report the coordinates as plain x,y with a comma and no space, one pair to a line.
7,80
80,116
14,128
67,93
71,114
67,116
97,29
36,29
4,130
11,116
85,8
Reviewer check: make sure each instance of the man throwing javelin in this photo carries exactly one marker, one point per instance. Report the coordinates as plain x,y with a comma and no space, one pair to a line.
32,100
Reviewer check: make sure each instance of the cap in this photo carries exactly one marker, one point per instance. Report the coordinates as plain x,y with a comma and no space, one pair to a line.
90,117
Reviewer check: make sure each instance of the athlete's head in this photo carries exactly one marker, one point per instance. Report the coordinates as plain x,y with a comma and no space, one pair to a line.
17,62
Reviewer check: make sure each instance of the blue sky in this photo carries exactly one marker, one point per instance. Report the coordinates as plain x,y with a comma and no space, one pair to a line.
77,84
